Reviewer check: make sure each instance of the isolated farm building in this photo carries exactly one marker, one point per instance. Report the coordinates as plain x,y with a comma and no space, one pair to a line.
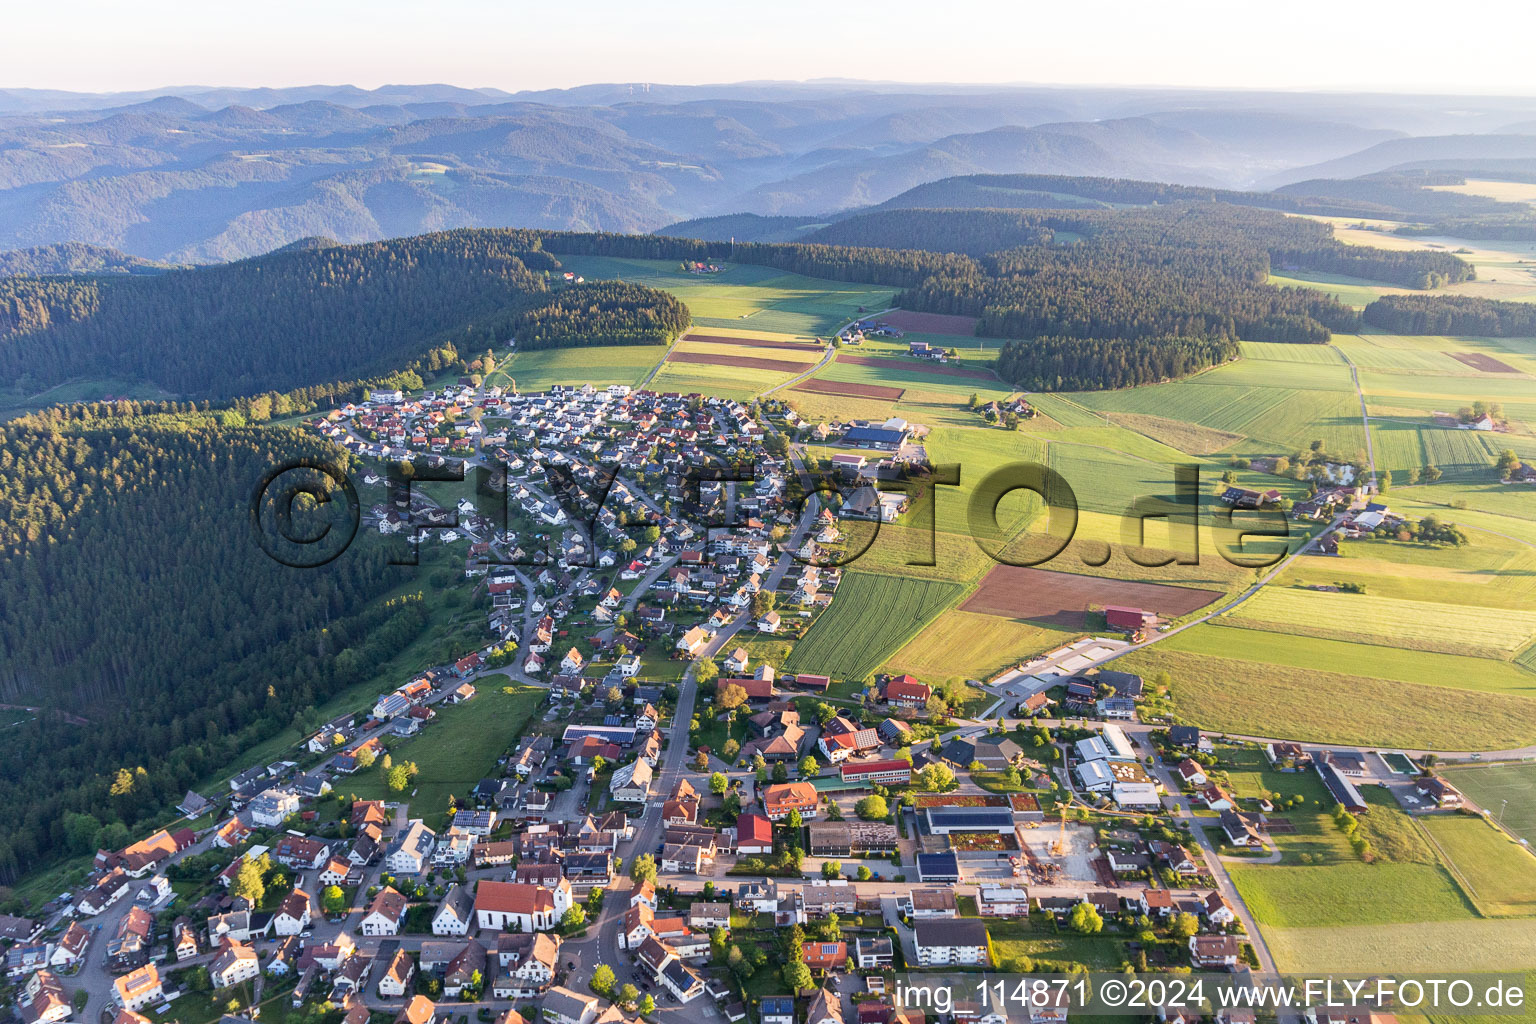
1121,617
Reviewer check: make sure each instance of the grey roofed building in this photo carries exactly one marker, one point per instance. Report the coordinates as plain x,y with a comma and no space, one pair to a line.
1184,735
192,805
938,867
943,820
460,902
1125,684
950,931
993,753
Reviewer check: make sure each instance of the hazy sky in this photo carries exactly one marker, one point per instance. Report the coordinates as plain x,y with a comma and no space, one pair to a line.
96,45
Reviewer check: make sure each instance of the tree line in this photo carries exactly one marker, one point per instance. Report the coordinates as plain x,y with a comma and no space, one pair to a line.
1081,364
1452,314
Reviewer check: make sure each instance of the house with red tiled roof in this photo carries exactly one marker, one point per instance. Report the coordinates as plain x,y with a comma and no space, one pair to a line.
520,907
754,834
905,692
781,798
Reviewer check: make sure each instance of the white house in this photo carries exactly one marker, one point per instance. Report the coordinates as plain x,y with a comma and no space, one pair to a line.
293,916
410,851
456,913
273,806
951,941
631,783
385,913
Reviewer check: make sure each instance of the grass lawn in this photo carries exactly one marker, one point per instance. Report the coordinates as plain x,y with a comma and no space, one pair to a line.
455,624
713,733
457,749
870,617
1312,705
1011,939
1403,948
1426,668
1506,790
1353,291
1500,873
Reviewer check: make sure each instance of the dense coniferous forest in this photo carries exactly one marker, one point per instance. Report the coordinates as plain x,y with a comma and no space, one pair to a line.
1518,227
132,595
1214,231
1185,280
600,313
1452,314
1077,364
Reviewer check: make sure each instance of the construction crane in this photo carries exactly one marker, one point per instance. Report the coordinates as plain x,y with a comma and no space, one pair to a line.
1059,847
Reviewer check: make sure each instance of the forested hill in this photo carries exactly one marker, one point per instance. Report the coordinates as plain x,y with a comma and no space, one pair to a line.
308,315
132,594
74,258
276,322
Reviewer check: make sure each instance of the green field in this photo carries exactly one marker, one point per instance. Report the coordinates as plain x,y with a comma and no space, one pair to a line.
1403,443
738,382
607,364
1419,625
745,296
1308,896
1473,945
13,404
1499,874
990,644
1277,399
1423,667
1316,705
870,617
1506,790
915,376
456,749
1014,940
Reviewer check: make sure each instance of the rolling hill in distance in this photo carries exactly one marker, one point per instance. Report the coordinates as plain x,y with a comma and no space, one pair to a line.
200,175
